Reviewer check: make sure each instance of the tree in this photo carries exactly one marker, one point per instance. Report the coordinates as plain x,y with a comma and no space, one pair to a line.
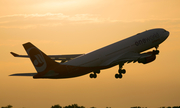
136,107
56,106
74,106
9,106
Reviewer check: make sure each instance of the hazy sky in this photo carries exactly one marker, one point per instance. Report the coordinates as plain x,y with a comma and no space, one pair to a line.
81,26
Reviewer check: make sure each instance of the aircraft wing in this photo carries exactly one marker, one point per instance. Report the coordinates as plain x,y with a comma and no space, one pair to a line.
53,57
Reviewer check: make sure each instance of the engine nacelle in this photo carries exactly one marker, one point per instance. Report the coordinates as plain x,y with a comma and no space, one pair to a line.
147,59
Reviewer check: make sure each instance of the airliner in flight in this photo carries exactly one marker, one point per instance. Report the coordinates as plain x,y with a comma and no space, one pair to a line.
119,53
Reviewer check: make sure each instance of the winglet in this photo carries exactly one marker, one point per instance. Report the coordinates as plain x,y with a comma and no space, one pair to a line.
14,54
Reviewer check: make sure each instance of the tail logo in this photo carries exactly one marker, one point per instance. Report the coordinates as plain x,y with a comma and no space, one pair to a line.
37,59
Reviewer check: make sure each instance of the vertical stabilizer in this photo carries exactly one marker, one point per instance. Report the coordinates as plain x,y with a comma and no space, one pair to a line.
40,60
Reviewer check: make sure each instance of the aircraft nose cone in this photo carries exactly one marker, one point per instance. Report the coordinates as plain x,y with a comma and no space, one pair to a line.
167,33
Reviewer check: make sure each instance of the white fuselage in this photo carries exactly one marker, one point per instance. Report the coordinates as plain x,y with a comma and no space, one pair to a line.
137,43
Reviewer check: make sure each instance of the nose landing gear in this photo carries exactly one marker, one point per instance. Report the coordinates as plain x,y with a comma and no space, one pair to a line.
156,52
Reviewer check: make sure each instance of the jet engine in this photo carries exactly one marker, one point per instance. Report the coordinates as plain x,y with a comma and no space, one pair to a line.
150,58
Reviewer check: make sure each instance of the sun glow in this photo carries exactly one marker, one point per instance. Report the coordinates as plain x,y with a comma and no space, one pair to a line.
63,5
80,26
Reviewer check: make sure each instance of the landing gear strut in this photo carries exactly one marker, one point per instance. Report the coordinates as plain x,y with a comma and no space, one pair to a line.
120,71
156,47
156,52
94,75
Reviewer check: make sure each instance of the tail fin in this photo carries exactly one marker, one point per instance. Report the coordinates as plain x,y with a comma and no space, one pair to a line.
40,60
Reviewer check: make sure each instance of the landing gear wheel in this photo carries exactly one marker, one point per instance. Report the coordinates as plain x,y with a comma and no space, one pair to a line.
122,71
95,75
118,76
92,75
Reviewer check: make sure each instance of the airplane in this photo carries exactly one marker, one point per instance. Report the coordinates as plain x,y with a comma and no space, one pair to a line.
128,50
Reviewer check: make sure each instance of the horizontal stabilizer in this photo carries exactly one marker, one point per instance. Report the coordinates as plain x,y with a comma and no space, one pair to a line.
14,54
17,55
23,74
53,57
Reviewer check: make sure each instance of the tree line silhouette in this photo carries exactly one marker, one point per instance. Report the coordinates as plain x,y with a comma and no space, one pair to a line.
77,106
71,106
8,106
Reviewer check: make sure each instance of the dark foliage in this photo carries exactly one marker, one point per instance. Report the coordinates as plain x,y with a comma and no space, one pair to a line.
9,106
74,106
56,106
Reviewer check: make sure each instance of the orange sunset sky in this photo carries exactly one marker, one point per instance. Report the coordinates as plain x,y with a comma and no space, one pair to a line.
81,26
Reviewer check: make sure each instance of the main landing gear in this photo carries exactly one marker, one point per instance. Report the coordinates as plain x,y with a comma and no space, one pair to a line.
120,71
94,75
